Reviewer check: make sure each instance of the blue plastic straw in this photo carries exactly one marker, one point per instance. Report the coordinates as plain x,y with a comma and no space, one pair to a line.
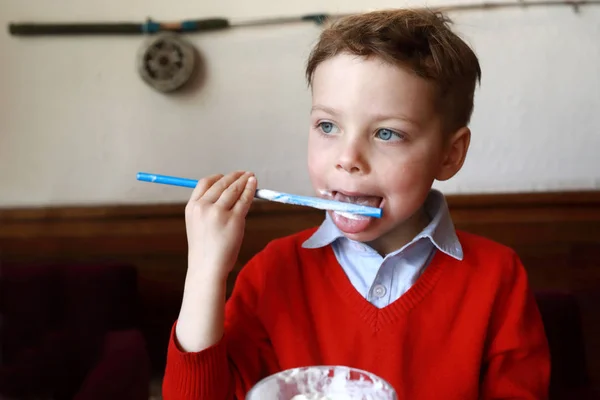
315,202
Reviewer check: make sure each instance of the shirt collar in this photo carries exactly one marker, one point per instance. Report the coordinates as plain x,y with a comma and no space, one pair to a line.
440,230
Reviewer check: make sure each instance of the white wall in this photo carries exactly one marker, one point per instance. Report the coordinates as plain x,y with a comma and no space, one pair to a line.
77,123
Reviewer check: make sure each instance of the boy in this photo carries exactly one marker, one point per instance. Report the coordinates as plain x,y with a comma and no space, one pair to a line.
435,312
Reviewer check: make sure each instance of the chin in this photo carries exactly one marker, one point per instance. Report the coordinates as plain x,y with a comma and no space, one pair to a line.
364,237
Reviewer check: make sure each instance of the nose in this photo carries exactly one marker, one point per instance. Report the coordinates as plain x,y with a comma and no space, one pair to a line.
352,157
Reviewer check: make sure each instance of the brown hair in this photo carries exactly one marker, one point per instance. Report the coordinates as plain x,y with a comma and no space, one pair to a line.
420,40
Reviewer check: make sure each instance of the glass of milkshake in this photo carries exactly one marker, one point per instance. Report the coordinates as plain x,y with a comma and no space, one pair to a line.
322,383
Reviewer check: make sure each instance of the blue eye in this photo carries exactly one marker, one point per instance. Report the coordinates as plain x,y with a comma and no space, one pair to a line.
387,134
327,127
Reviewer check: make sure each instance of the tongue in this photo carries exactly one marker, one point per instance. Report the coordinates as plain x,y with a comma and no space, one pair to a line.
349,223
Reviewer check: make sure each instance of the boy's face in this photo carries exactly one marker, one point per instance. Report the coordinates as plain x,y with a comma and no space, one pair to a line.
376,139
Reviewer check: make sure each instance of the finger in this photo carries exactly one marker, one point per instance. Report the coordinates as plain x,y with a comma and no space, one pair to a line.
203,185
215,191
231,195
245,201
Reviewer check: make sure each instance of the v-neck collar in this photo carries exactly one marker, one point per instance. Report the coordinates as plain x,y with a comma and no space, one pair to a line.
375,317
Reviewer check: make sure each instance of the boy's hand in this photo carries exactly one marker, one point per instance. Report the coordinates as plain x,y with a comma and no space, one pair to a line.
215,218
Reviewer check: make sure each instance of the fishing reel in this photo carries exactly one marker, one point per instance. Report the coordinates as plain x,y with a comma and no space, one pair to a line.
166,62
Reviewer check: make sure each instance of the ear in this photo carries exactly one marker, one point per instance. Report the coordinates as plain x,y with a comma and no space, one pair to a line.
455,152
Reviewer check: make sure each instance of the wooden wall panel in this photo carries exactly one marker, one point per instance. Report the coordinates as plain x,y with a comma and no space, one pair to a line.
557,236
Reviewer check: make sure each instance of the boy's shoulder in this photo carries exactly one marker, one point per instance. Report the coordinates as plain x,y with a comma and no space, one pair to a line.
279,256
476,242
488,255
288,245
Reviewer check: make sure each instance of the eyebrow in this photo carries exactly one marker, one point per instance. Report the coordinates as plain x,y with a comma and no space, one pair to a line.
328,110
378,117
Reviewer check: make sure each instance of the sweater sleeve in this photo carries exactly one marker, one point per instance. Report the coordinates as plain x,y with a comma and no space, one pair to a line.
243,356
517,357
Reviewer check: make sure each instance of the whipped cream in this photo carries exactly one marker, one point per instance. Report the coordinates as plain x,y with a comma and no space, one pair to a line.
316,384
351,216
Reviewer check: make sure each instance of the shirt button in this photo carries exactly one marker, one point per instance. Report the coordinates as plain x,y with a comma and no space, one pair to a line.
379,291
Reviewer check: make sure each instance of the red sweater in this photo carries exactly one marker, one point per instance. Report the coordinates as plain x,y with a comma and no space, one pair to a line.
466,329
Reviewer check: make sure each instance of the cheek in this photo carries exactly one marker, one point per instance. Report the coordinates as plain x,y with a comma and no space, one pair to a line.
407,189
424,163
316,161
405,175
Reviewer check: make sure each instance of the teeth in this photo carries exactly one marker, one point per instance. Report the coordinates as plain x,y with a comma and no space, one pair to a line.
362,200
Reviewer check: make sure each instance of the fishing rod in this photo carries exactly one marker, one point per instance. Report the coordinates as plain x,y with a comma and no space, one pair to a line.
150,27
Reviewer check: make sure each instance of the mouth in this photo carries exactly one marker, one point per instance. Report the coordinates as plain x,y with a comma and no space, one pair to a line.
352,223
362,199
